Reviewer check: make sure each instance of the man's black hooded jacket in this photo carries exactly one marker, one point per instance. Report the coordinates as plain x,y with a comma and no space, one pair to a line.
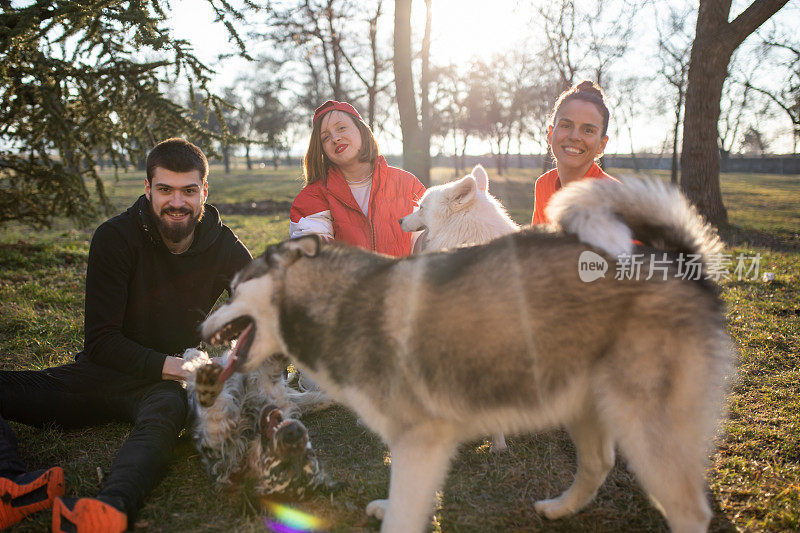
144,302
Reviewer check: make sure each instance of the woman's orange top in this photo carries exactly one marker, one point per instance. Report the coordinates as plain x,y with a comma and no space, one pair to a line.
548,183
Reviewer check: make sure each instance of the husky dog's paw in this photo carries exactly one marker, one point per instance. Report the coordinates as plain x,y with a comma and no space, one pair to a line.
377,508
554,508
207,384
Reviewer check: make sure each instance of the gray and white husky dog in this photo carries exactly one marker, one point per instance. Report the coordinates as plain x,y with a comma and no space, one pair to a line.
439,348
461,213
246,428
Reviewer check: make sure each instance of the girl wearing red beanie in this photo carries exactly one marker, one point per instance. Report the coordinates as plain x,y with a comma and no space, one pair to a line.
351,195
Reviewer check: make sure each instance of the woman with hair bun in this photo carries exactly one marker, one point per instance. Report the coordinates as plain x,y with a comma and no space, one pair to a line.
351,195
577,137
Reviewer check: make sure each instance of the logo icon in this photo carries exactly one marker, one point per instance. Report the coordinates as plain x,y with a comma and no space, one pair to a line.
591,266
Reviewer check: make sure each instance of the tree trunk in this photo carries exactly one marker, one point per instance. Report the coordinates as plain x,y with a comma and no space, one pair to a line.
633,152
247,156
498,163
674,175
414,158
715,41
635,161
336,52
226,158
425,83
507,155
372,90
463,157
547,159
455,153
708,68
724,155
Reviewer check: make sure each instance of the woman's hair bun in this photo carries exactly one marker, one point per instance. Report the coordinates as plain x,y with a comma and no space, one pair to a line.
590,87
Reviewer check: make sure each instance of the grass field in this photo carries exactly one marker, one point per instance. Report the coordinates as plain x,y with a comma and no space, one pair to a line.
754,473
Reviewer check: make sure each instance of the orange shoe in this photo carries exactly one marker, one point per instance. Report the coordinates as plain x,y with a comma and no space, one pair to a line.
87,515
28,493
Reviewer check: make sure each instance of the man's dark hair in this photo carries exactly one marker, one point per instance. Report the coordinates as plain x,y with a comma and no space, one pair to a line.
177,155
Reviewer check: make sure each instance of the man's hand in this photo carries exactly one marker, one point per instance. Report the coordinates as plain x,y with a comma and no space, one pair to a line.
173,369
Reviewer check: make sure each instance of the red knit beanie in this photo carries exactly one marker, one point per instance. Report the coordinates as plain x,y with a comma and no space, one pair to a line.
333,105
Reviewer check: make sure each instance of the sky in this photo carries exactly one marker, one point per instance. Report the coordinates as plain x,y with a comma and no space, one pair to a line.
473,27
463,29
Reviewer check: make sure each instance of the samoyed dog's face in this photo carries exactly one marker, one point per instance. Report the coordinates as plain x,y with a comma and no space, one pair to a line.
441,202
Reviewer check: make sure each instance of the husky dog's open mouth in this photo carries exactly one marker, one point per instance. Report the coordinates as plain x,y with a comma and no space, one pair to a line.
243,331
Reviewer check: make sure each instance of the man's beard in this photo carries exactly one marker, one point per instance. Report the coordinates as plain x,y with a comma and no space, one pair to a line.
177,231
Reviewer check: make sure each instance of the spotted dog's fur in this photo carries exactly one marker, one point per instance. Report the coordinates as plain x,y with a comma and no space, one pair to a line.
246,430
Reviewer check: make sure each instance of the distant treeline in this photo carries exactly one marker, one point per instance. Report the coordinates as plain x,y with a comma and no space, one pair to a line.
768,164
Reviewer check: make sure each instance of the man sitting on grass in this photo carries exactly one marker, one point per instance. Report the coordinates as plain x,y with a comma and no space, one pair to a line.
153,274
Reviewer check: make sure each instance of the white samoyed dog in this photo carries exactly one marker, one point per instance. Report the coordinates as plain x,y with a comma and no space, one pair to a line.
460,213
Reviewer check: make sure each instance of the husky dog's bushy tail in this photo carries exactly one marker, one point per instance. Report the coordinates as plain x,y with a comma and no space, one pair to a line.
609,215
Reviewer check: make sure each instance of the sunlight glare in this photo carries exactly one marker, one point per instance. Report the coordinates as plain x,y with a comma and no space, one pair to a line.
466,29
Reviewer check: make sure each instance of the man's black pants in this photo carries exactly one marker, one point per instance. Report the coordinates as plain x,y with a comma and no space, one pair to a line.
83,394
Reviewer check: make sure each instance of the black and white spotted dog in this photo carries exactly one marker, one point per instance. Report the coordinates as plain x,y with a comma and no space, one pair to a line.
246,431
